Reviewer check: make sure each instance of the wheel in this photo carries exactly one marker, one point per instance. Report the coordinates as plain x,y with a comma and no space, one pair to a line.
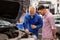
3,37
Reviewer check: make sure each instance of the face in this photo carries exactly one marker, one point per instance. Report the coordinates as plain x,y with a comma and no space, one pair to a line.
32,11
42,12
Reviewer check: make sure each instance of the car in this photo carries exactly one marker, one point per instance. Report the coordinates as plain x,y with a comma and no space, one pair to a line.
57,23
8,17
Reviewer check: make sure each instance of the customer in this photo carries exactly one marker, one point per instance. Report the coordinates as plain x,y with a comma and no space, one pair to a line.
49,28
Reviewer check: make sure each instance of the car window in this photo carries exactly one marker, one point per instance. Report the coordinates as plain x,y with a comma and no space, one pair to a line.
57,20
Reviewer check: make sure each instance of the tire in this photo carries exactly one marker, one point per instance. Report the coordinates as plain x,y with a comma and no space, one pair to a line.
3,37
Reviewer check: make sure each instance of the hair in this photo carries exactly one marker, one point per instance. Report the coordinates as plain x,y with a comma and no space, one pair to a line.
41,7
32,7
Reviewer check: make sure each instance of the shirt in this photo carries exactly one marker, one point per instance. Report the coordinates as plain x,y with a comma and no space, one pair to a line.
48,25
35,20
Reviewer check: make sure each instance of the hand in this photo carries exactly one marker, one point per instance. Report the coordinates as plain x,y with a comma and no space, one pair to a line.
54,33
33,26
27,31
54,36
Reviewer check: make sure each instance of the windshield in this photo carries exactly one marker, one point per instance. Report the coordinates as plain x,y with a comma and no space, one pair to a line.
2,22
57,19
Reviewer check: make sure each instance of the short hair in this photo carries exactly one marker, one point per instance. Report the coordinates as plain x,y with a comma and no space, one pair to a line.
33,8
41,7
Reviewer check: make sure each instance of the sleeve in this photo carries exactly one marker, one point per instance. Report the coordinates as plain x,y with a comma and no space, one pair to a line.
40,23
51,21
25,23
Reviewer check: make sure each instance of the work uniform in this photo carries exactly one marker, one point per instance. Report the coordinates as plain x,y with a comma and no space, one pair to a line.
35,20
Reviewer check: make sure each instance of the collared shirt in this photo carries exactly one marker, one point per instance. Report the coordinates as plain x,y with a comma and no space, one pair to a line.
48,25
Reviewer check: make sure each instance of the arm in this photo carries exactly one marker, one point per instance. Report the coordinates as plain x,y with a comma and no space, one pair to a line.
52,23
25,23
40,23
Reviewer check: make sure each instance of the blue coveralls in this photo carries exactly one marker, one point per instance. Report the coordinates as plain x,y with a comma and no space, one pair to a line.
35,20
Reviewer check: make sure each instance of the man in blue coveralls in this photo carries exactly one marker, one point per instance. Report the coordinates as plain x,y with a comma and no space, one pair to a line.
32,21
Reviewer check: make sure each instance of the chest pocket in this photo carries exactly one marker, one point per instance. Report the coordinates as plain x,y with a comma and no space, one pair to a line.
33,21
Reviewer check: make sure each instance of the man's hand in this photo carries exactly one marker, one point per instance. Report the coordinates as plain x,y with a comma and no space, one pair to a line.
54,36
27,31
33,26
54,33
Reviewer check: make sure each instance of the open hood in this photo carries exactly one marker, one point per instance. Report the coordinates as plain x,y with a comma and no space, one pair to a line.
9,9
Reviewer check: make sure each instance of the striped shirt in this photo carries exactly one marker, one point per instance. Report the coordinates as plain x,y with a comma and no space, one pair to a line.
48,25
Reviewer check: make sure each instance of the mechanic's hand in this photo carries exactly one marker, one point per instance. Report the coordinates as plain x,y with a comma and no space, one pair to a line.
33,26
27,31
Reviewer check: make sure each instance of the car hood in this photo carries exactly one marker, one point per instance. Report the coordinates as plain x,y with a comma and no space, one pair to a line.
9,10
